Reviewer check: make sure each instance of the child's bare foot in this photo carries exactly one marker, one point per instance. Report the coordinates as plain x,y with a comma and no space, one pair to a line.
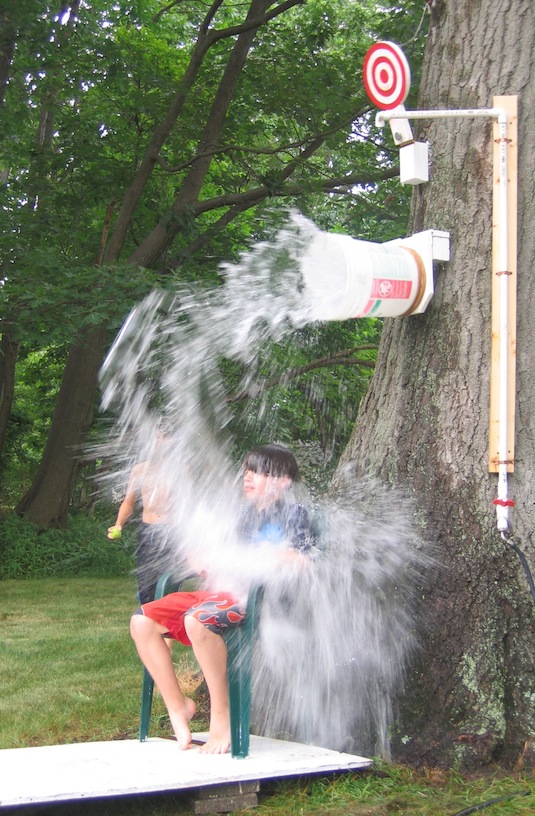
218,741
180,723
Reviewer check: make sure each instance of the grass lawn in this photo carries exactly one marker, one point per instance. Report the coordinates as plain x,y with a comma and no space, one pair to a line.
69,673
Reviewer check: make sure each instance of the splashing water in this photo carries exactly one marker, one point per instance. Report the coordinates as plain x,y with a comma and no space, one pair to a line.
333,637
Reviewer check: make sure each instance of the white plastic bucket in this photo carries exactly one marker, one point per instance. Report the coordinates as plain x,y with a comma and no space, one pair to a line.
346,278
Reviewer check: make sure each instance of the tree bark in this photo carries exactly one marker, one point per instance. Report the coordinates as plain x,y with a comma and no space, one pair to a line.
47,501
8,357
424,422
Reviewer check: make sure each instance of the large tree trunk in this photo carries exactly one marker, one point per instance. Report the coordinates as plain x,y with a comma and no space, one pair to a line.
9,350
424,422
47,501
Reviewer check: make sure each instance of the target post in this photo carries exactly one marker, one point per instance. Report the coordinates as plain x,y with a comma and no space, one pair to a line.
503,335
387,80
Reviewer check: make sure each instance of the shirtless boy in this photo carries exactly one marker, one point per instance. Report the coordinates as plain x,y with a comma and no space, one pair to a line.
147,482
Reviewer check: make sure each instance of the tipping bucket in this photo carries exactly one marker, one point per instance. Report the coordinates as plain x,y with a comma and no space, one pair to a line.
346,278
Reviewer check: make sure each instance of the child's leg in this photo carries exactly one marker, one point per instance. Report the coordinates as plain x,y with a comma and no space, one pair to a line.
211,653
156,657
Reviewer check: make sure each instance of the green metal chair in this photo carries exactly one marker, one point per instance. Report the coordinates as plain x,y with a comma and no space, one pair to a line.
240,643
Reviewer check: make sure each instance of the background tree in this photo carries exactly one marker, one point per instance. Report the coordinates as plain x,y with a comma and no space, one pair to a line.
136,141
424,421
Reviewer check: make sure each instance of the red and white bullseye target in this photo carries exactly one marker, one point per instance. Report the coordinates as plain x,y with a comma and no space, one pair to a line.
387,75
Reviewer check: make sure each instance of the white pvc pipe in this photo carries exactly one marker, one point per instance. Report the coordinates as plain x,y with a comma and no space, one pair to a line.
382,117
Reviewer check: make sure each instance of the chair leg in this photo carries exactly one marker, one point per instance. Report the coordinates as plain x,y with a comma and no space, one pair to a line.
239,683
146,705
240,645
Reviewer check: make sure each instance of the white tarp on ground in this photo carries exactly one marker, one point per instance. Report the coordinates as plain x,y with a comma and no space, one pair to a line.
99,769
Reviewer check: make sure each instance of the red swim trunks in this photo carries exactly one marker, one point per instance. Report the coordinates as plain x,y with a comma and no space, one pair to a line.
215,610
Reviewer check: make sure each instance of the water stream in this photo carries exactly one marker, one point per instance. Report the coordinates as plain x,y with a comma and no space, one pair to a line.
334,638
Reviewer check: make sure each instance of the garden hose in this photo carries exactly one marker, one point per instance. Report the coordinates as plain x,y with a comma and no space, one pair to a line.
490,802
524,563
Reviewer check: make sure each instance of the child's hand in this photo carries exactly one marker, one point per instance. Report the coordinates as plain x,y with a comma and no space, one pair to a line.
115,532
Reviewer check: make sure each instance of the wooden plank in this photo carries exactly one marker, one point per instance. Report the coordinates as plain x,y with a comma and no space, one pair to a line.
510,104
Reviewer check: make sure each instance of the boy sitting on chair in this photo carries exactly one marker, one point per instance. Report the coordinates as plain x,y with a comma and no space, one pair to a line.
199,618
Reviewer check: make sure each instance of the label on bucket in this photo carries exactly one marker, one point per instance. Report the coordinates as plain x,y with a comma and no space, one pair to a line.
386,289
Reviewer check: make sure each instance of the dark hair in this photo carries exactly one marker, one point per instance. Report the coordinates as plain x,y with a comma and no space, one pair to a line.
272,460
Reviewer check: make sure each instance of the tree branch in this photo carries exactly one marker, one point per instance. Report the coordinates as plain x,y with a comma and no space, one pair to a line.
256,22
306,142
341,358
207,20
257,194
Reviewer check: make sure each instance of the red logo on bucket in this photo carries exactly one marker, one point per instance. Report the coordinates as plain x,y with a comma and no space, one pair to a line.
387,289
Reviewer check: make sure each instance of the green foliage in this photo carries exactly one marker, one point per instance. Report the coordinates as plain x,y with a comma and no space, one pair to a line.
85,94
81,549
306,392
